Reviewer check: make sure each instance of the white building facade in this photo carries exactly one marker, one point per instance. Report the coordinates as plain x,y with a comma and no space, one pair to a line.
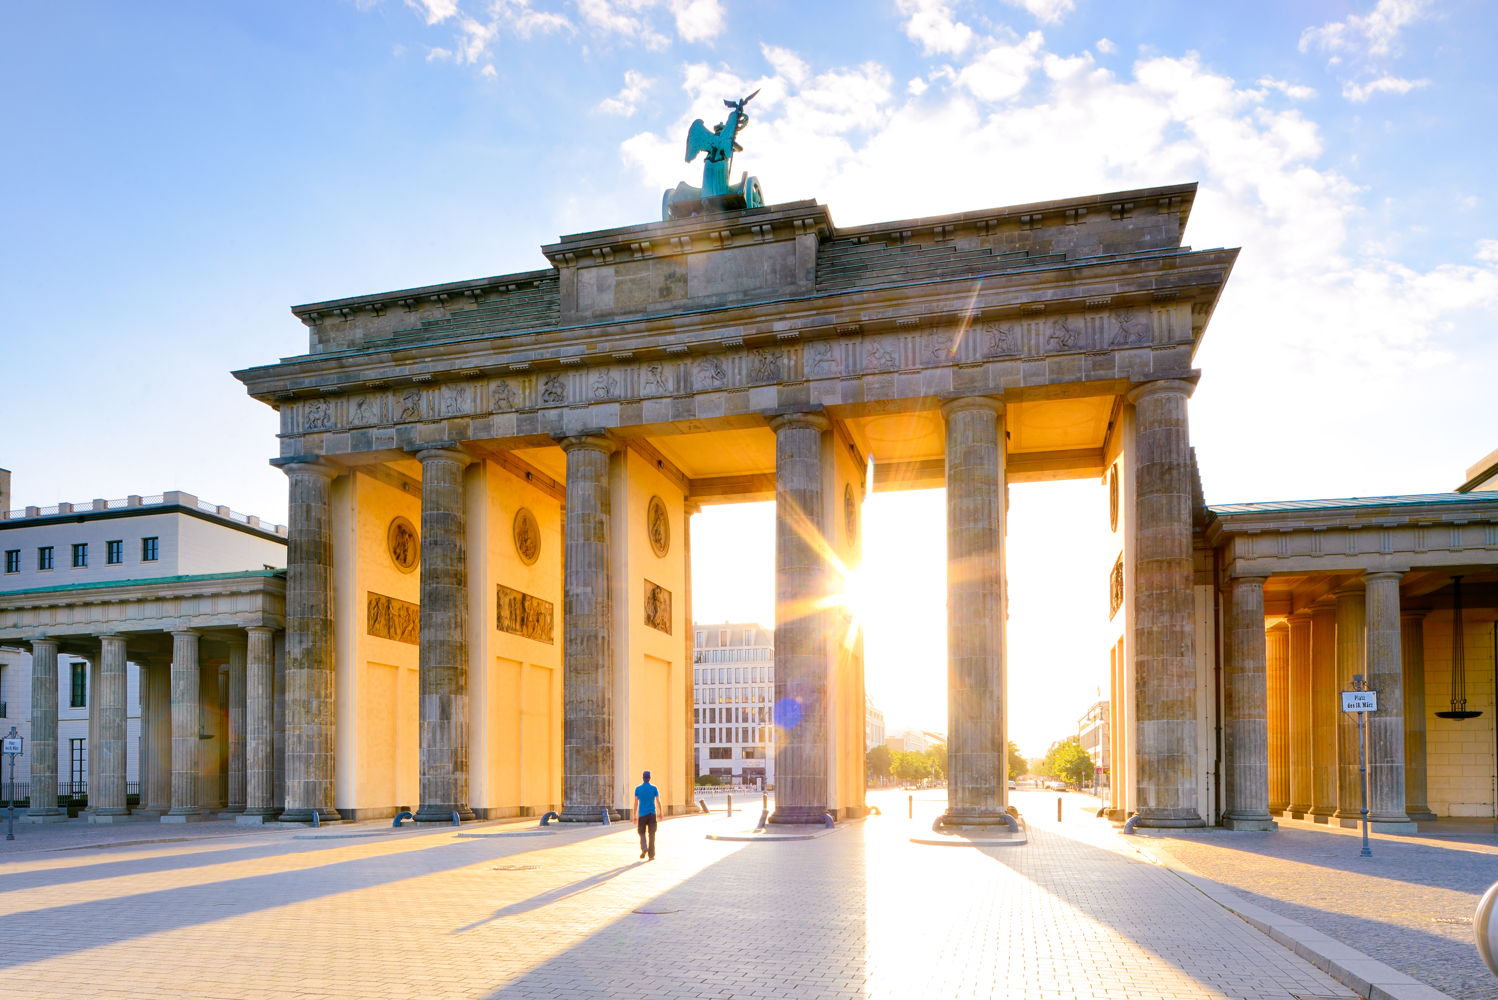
734,697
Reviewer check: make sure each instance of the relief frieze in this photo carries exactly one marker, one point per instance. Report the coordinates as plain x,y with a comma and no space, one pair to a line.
523,614
657,607
392,618
711,374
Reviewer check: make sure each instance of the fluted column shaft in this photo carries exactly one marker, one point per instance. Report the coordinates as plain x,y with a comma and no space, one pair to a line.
1351,660
1164,638
107,796
1386,676
1277,677
976,757
443,638
1245,723
186,710
43,748
587,640
236,719
259,771
1412,662
157,797
1298,716
310,708
1325,711
801,580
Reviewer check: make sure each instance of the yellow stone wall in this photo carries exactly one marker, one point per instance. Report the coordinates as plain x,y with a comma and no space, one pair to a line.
376,678
515,682
1460,755
845,690
1124,720
653,676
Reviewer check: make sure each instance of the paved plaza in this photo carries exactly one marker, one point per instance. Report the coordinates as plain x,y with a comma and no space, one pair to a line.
496,910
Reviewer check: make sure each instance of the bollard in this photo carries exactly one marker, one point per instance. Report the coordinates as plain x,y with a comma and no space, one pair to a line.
548,817
910,806
1058,810
1484,931
315,819
605,811
764,800
457,820
730,805
827,820
400,816
764,817
701,805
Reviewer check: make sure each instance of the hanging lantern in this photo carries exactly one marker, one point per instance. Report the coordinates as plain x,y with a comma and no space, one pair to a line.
1459,710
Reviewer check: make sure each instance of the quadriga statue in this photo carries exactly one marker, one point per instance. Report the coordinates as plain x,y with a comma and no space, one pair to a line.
716,193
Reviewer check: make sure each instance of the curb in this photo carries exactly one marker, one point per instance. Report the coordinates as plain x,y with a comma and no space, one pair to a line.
1364,975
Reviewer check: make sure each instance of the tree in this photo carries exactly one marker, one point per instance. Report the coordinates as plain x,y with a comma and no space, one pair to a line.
1017,765
1069,762
877,763
910,766
937,757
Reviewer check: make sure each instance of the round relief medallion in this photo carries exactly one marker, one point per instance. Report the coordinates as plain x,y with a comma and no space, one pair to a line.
404,544
850,512
1113,498
658,525
527,536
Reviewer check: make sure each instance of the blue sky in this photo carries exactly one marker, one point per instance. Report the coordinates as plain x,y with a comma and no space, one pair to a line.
179,173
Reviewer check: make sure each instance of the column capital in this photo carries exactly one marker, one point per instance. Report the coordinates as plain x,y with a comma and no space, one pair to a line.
1413,614
260,630
1157,387
1383,574
1283,625
185,633
1349,588
800,418
306,465
440,451
1296,617
1247,579
964,403
589,442
44,640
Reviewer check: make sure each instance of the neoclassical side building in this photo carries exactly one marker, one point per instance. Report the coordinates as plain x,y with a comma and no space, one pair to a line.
513,462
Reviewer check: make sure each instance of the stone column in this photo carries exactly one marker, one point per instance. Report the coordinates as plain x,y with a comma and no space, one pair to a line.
976,748
1277,679
143,754
801,580
186,721
107,795
1164,636
587,641
689,751
1412,657
1244,724
158,680
310,715
90,701
259,771
43,748
1299,714
236,719
1386,726
1351,659
1325,710
443,638
210,751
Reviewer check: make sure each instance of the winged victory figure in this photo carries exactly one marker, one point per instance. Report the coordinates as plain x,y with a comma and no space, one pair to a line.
716,194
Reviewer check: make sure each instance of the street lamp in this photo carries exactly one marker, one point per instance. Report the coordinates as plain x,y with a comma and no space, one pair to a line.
13,746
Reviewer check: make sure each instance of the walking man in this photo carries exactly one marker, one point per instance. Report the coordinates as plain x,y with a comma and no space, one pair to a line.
646,796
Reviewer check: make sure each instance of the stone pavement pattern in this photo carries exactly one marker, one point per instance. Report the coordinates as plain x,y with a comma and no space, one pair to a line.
515,913
1410,905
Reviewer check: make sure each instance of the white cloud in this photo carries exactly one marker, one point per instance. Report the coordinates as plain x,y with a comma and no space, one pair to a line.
435,11
697,20
1360,92
1294,91
489,71
1001,71
1045,11
1375,34
628,99
518,16
931,23
1106,47
624,18
1487,250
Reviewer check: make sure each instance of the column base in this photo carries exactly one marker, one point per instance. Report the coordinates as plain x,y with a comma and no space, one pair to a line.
1257,824
442,814
110,817
174,818
587,814
304,816
1391,824
47,817
985,818
799,815
253,819
1297,811
1168,820
1422,815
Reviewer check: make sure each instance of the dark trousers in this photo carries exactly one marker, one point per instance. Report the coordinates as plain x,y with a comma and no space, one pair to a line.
646,826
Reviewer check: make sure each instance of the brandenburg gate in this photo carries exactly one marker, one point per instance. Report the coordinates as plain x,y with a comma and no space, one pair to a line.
492,483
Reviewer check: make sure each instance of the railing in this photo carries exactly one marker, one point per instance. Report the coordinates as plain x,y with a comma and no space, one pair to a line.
175,497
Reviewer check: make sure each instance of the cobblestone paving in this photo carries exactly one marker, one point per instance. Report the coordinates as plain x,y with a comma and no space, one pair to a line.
1410,905
506,912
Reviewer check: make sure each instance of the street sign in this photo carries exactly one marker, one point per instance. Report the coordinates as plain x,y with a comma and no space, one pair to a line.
12,745
1360,701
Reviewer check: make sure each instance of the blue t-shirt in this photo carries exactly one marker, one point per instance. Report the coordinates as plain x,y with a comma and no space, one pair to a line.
647,794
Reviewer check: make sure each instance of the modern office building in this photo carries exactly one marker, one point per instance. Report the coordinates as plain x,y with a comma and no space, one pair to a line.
873,724
1092,734
734,697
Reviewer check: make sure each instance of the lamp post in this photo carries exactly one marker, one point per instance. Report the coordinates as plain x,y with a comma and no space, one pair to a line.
1360,701
13,747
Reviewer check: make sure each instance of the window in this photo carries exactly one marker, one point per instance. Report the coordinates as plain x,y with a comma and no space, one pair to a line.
150,549
78,765
699,640
80,686
720,753
44,557
723,637
114,552
12,560
748,636
80,554
754,753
